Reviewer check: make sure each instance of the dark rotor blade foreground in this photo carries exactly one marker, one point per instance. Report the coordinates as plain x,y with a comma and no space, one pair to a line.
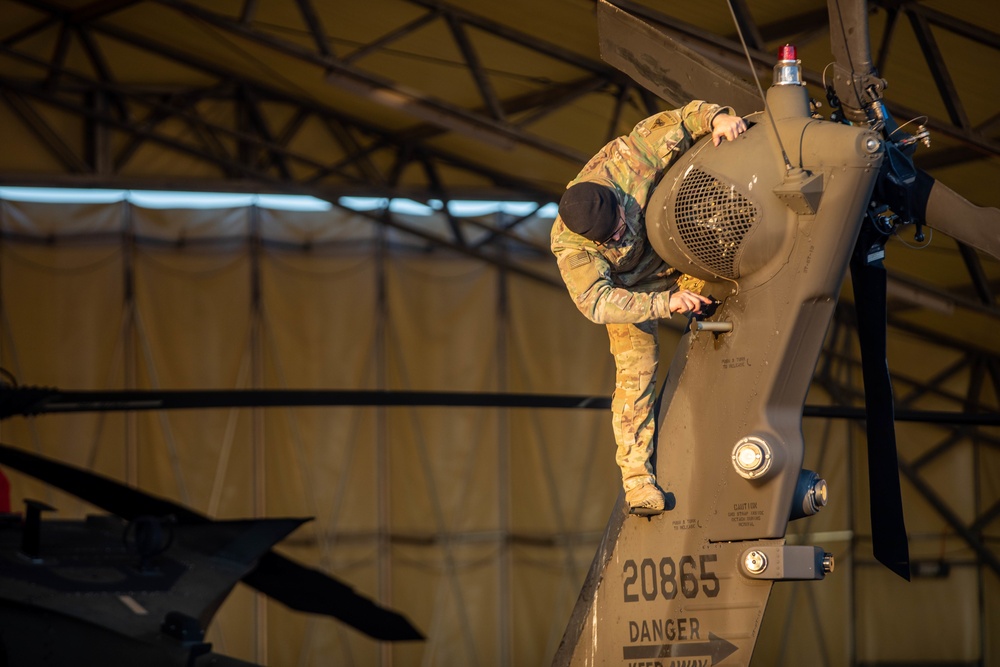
666,67
29,401
889,541
40,400
295,585
108,494
311,591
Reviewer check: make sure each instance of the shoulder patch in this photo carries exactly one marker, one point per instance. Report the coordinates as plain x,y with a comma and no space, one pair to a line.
578,259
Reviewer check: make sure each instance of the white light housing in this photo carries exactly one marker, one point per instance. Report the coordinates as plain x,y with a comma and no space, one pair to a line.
752,457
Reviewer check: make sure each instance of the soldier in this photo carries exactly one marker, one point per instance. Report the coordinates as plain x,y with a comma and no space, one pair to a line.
616,278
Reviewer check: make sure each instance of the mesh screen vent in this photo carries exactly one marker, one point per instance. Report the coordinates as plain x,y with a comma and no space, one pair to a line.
712,221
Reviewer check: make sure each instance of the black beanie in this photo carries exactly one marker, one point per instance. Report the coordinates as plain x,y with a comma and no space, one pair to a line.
590,210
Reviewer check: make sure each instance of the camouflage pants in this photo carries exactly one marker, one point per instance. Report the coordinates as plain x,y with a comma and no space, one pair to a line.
636,352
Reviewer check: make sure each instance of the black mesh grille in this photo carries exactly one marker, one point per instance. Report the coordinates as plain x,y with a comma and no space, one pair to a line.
712,221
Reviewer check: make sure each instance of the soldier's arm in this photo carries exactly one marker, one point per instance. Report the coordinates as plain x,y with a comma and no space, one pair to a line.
588,280
698,117
658,140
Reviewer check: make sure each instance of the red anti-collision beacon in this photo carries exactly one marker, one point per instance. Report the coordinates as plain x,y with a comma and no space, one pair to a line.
788,71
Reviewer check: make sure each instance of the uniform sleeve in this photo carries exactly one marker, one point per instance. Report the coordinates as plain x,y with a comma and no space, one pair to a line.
697,117
656,142
588,279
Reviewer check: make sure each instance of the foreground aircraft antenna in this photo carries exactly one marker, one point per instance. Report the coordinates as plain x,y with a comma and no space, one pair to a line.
760,89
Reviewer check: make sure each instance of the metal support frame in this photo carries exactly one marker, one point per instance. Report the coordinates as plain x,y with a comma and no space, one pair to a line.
64,89
134,110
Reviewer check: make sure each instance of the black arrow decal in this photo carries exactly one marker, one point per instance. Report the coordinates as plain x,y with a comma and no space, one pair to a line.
716,647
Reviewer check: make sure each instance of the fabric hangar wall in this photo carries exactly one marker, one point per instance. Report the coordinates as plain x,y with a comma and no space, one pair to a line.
477,523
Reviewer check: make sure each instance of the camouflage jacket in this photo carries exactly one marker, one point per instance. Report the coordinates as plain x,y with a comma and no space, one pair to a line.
626,281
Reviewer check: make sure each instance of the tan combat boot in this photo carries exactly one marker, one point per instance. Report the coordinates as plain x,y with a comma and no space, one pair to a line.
644,500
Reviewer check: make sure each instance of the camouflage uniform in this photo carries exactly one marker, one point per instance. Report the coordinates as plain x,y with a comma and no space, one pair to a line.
625,284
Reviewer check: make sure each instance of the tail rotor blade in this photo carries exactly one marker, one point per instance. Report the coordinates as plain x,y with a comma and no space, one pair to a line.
889,541
951,213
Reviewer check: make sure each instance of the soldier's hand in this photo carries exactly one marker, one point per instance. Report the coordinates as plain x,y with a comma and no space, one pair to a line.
728,127
683,301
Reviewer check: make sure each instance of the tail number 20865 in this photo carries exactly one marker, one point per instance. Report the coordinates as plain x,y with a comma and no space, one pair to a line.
688,577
